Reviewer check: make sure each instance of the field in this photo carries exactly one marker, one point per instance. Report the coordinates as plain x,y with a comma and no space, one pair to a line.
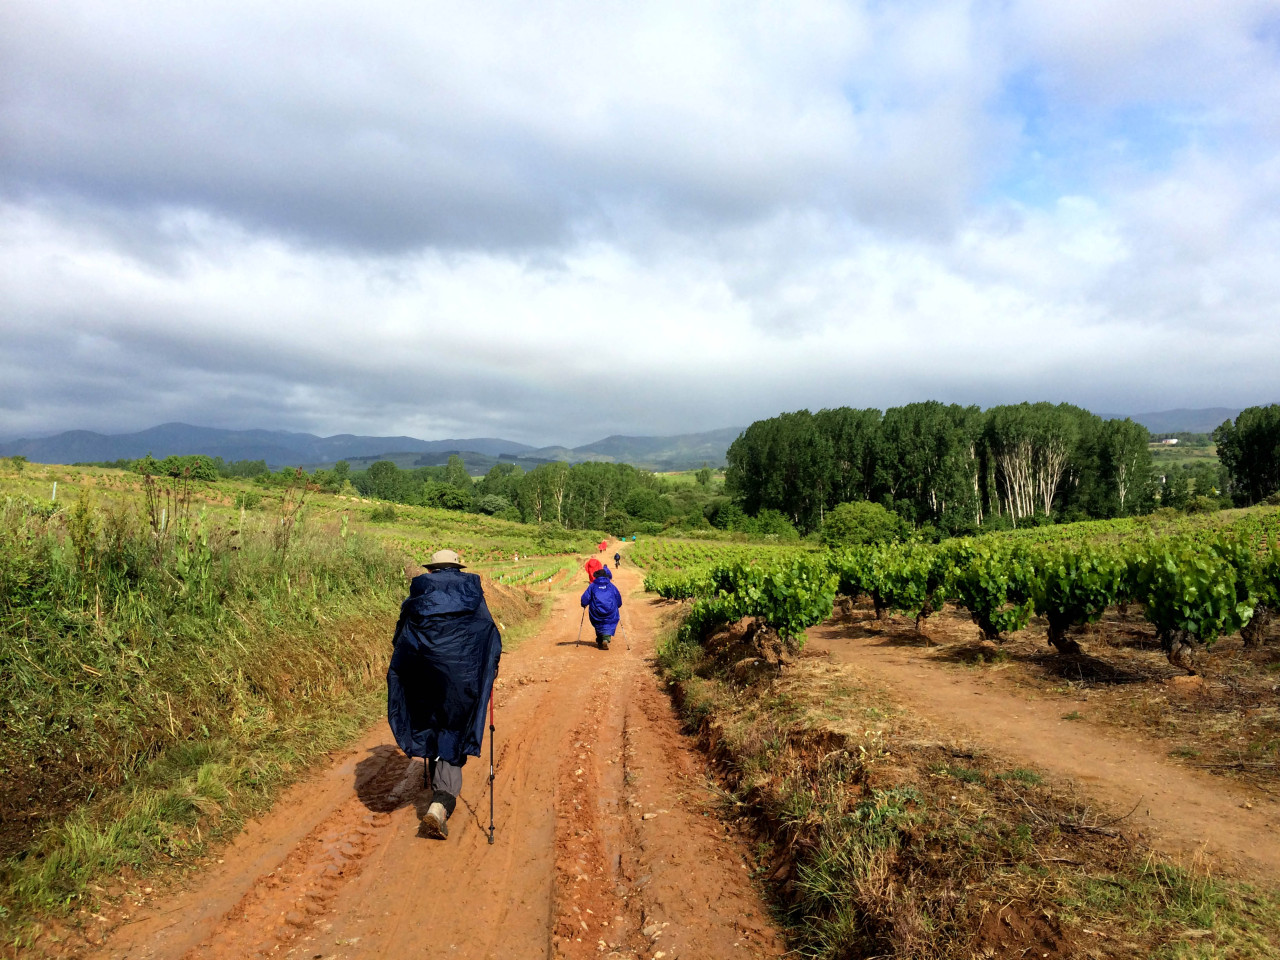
1195,448
979,748
926,785
151,709
191,658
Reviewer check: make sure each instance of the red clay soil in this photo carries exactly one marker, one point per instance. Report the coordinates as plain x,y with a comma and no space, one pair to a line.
1180,811
606,842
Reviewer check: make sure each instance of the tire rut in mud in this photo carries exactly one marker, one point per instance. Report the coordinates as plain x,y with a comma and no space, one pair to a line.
286,908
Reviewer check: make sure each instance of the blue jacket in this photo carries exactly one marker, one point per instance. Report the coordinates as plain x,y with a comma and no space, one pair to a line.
603,602
446,655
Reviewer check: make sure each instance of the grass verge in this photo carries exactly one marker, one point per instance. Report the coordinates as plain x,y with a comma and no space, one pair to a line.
164,682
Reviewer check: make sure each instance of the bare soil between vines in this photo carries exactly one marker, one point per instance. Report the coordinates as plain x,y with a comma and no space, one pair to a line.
1185,764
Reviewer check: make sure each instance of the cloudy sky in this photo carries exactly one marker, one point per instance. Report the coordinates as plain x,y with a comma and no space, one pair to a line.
555,221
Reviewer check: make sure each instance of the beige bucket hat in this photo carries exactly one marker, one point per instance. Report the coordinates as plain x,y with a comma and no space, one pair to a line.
443,559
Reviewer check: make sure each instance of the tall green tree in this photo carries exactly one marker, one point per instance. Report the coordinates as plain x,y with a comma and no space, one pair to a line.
382,480
928,463
455,474
1249,448
783,463
501,481
1125,465
1175,490
854,436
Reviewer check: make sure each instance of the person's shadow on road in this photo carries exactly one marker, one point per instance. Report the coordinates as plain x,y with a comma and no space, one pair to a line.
384,780
387,780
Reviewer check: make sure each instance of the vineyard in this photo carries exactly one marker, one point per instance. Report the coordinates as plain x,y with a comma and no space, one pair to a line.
923,793
1196,581
153,708
1162,523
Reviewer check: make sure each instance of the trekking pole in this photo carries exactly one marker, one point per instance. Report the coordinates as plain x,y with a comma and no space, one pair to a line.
581,621
491,728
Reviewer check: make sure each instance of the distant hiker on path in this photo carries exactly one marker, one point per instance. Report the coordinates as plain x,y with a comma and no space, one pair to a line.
617,560
445,658
604,605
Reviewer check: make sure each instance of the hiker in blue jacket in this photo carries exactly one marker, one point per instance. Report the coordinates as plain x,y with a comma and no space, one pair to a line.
445,658
604,604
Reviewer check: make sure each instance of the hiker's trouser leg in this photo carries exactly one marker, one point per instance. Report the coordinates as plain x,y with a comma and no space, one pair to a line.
446,784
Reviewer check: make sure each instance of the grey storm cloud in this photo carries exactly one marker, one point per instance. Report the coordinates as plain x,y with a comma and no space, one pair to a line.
390,131
553,223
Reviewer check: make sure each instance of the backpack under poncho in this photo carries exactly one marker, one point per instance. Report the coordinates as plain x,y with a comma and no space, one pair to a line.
446,656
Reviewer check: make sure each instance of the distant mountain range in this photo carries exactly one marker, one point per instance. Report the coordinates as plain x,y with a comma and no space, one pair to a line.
277,447
282,449
689,449
1185,421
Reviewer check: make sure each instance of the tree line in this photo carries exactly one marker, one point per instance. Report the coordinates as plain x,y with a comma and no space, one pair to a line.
941,468
616,497
960,469
954,468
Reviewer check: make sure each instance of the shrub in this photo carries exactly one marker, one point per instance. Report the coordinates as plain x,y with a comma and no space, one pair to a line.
856,524
385,513
1202,504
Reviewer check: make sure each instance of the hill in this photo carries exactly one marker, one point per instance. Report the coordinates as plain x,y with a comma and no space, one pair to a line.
277,447
280,448
680,452
1185,421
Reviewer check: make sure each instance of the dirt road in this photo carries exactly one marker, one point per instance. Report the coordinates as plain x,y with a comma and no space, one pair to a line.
1181,811
606,843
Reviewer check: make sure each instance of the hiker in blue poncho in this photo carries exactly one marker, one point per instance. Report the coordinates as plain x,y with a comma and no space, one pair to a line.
446,656
604,605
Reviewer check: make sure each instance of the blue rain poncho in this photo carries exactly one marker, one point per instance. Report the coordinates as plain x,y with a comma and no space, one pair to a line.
603,602
446,656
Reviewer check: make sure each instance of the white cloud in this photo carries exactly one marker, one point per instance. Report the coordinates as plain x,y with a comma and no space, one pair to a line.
1148,51
516,125
554,223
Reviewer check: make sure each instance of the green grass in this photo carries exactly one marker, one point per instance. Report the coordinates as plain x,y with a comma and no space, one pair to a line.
963,774
1193,914
159,686
162,686
192,795
1165,458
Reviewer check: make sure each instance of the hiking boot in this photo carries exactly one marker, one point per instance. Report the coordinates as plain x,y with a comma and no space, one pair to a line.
604,644
436,821
600,644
